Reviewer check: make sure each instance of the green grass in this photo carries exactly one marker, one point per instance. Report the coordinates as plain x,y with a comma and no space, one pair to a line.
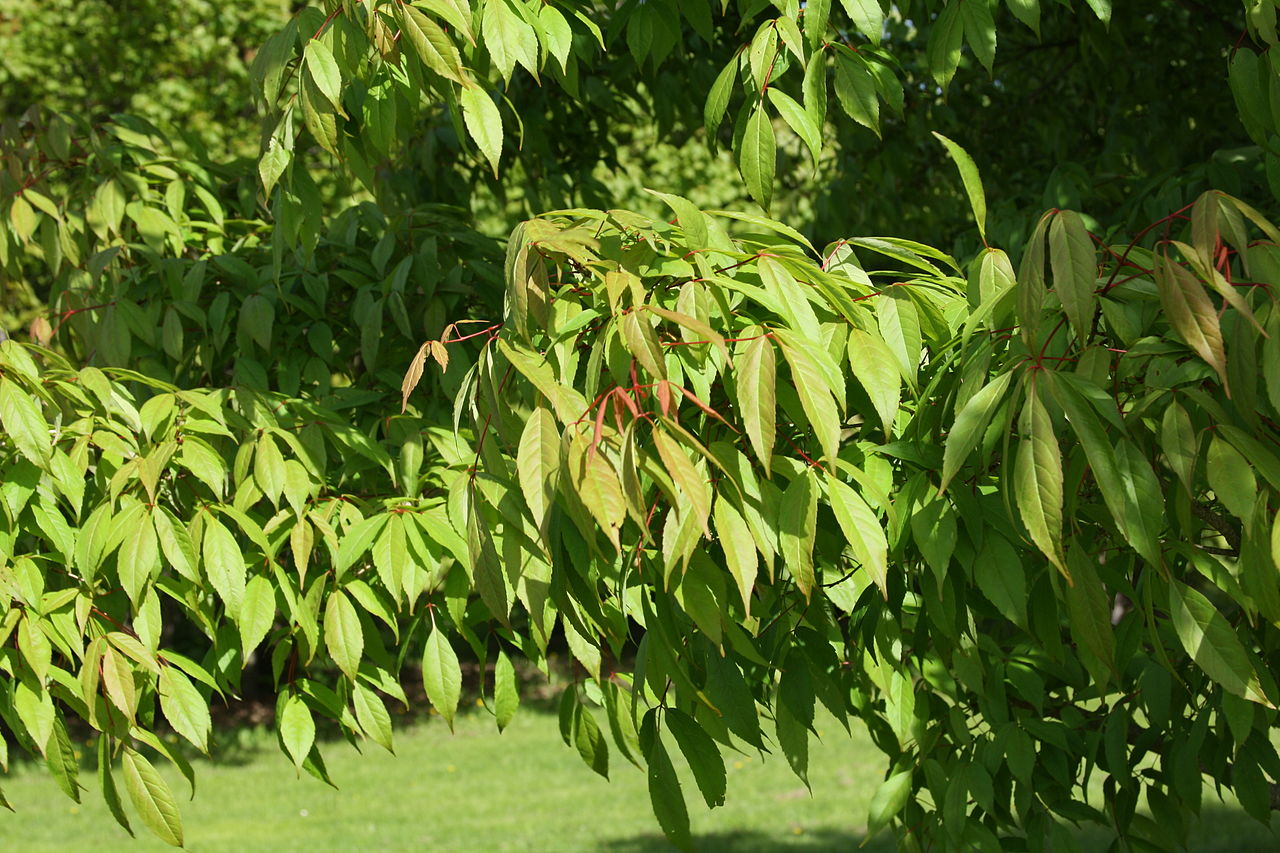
478,790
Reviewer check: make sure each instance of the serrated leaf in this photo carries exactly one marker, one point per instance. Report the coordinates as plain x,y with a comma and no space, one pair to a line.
1191,313
816,395
184,707
343,635
875,367
372,716
980,31
797,529
755,375
441,675
888,800
268,468
224,563
757,155
297,729
739,548
431,44
862,531
152,798
666,798
1213,643
257,613
484,124
538,464
799,120
970,423
1074,261
506,691
970,178
718,99
319,64
23,423
702,754
1038,481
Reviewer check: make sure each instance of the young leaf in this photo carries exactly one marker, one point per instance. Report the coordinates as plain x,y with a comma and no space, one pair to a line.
372,715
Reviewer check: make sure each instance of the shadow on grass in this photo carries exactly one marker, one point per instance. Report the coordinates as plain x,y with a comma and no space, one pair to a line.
820,841
1220,829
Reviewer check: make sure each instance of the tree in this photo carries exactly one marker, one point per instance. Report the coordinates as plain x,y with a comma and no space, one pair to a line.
1018,521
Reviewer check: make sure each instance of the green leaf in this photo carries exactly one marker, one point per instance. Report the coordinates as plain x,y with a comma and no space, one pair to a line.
805,125
484,123
1191,313
441,675
739,548
862,531
506,690
152,798
297,729
756,157
888,800
816,394
702,754
755,375
318,114
797,529
971,422
666,797
431,44
867,16
1089,608
23,423
1180,443
946,37
372,715
980,31
343,635
538,464
1027,11
110,794
268,468
856,90
691,483
1212,643
1075,270
224,563
875,367
319,64
1038,481
718,99
969,174
184,707
1232,479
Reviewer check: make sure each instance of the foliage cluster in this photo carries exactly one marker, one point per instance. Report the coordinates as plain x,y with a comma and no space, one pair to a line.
1019,520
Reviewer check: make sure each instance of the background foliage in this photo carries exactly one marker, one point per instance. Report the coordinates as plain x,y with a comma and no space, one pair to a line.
1018,520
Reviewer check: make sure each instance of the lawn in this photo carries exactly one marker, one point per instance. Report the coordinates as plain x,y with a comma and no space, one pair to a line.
477,790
